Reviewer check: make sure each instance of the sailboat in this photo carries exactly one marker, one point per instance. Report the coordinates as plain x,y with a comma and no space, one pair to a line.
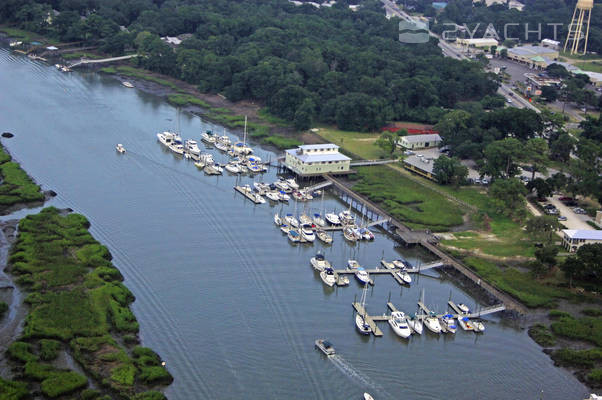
318,219
360,322
241,147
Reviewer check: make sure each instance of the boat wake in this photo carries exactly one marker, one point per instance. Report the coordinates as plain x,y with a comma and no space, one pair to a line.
356,376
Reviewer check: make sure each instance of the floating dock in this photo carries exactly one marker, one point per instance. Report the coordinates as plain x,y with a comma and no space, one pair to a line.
249,195
392,272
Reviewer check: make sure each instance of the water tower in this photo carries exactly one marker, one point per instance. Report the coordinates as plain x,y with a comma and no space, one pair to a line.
579,27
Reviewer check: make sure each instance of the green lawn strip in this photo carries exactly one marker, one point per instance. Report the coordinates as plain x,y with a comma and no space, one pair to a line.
133,72
360,144
593,66
588,329
81,54
183,99
407,200
17,186
77,300
521,285
542,335
25,36
282,142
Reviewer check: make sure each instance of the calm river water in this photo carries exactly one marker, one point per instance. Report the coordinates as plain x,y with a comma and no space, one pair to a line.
222,296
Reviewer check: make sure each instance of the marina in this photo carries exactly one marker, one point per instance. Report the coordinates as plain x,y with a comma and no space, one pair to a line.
207,267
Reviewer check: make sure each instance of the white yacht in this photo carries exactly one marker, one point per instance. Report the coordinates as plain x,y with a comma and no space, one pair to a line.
318,220
261,187
463,308
233,168
272,196
366,234
367,396
168,138
319,262
324,237
304,219
221,146
241,148
362,326
449,322
346,217
277,219
292,183
283,186
353,264
362,276
479,327
399,324
307,233
282,196
432,323
120,148
404,276
291,220
285,228
415,323
328,276
225,139
192,147
213,169
465,323
349,234
402,264
177,148
333,219
208,137
386,264
127,84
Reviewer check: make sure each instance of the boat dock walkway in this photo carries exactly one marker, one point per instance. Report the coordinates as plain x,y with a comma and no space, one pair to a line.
391,271
363,163
248,195
84,61
317,186
370,320
484,311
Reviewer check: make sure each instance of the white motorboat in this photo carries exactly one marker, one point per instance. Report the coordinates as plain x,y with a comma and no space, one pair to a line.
366,234
208,137
127,84
342,281
346,217
200,164
169,138
479,327
415,323
213,169
285,228
294,236
399,324
192,147
465,323
362,276
367,396
261,187
277,219
241,148
328,277
233,168
463,308
221,146
362,326
283,186
318,220
402,264
325,347
304,219
319,262
386,264
432,323
404,276
349,234
225,139
292,183
120,148
177,148
333,219
307,233
282,196
353,264
291,220
324,237
449,322
272,196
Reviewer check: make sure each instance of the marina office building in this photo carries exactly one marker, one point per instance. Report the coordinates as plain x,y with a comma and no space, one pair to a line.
316,159
572,239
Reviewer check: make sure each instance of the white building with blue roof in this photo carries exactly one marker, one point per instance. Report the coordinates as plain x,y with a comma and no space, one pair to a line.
316,159
572,239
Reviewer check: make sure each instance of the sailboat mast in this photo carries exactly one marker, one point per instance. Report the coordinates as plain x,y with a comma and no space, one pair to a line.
244,138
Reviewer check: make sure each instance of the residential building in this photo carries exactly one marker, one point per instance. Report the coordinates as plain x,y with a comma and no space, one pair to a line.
316,159
572,239
414,142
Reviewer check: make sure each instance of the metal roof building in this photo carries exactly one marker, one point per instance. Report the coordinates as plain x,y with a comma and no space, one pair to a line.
572,239
419,141
316,159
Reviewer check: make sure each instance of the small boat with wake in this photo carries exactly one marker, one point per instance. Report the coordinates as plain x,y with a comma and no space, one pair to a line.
120,149
325,347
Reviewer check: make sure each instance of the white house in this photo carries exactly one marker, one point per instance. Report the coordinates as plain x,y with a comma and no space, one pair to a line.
572,239
316,159
413,142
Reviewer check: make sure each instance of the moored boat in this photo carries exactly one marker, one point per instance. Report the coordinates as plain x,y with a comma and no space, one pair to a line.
361,325
333,219
386,264
282,196
307,233
127,84
285,228
328,277
291,220
232,167
432,323
192,147
465,323
362,276
324,237
272,196
415,323
294,236
353,264
399,324
449,322
208,137
479,327
292,183
349,234
463,308
319,262
277,219
404,276
318,220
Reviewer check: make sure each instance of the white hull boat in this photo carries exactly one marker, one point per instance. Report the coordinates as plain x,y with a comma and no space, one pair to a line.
367,396
208,137
285,228
232,168
415,323
333,219
283,186
346,218
404,276
325,347
291,220
401,264
432,324
294,236
127,84
319,262
399,324
318,220
324,237
449,323
221,146
465,323
277,219
353,264
292,183
386,264
282,196
272,196
120,149
307,233
361,325
350,235
192,147
362,276
328,277
479,327
463,308
304,219
177,148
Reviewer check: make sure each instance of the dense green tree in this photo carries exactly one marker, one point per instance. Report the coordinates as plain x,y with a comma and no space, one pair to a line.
586,265
508,195
542,228
387,141
561,147
549,93
501,157
541,186
449,171
536,153
305,114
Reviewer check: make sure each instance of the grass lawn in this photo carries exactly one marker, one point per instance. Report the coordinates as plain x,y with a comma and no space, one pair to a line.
25,36
138,73
359,143
79,54
594,66
407,200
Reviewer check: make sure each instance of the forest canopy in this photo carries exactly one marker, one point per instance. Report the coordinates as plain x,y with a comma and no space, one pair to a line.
331,65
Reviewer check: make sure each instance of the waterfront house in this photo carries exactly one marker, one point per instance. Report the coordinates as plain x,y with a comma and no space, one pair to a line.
572,239
316,159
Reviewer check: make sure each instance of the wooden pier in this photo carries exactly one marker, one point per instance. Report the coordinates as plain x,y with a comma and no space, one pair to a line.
483,311
370,320
391,271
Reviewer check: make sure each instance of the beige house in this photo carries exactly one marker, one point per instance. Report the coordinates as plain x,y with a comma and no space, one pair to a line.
316,159
572,239
414,142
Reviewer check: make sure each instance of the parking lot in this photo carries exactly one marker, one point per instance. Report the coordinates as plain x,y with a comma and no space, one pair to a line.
573,220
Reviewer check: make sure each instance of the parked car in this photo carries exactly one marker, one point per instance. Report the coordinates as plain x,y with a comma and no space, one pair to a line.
565,198
578,210
485,182
561,218
477,181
